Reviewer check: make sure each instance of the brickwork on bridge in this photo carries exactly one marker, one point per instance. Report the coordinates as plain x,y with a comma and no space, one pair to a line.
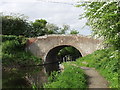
41,46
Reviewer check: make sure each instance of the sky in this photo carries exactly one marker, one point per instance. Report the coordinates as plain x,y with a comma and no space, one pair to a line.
58,12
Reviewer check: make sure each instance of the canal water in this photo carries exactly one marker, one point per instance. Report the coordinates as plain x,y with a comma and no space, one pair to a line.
27,77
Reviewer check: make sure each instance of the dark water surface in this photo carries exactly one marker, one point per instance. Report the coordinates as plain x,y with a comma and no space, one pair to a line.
27,77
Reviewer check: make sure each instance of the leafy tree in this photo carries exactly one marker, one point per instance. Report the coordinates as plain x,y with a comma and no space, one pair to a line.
52,28
74,32
15,25
104,18
64,29
39,27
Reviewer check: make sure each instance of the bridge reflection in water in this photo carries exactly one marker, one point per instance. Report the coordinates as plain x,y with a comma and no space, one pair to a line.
27,77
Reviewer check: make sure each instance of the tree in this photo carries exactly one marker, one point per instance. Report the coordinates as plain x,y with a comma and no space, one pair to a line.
15,25
39,27
64,29
74,32
52,28
104,18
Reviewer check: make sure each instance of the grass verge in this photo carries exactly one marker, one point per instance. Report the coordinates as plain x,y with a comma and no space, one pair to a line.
71,77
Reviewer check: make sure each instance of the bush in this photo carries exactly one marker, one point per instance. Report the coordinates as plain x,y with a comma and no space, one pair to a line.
13,53
21,39
71,77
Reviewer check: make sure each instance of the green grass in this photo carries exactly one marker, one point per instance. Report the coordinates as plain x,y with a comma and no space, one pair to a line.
71,77
106,62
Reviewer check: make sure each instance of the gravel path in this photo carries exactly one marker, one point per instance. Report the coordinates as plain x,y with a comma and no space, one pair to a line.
95,80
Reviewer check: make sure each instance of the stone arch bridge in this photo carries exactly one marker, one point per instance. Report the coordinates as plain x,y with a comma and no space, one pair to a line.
48,46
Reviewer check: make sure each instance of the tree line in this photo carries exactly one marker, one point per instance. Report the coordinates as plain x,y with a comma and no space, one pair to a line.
17,24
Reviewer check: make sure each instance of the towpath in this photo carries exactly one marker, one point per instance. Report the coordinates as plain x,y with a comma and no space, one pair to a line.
95,80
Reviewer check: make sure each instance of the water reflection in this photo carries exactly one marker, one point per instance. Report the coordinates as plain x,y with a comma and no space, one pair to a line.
51,67
27,77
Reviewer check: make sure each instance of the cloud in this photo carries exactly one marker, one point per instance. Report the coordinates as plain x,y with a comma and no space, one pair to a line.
56,13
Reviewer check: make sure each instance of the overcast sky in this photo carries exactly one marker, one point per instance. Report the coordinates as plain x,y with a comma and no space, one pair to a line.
58,12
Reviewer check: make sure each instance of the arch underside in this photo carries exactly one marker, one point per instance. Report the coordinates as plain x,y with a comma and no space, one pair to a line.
52,54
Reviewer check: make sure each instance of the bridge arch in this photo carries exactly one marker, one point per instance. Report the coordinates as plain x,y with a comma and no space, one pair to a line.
44,46
51,55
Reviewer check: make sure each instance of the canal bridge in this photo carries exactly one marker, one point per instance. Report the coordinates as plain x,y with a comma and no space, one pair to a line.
48,46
